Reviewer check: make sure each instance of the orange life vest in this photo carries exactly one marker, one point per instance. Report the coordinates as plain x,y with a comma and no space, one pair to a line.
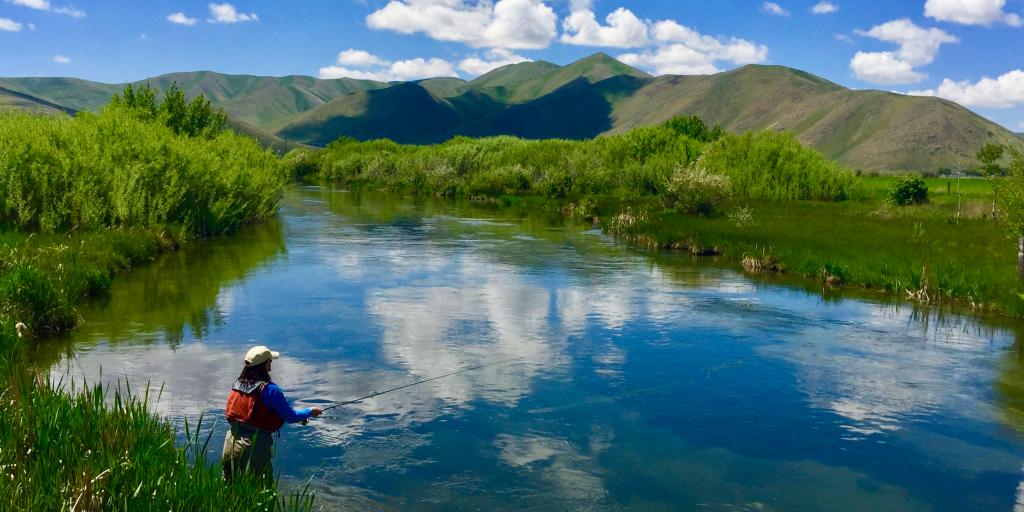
245,405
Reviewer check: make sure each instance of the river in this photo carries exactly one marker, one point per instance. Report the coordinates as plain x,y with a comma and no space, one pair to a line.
625,380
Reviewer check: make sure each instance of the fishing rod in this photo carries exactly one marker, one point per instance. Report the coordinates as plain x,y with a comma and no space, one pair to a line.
417,383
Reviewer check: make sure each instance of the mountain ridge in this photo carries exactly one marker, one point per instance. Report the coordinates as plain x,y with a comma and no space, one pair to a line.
871,130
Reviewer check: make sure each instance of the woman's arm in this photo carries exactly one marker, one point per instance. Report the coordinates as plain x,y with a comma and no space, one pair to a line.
274,398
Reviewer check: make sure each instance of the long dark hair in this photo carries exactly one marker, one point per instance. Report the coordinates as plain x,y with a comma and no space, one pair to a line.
254,373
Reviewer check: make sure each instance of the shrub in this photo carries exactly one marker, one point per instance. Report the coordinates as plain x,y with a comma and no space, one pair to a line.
908,190
1012,191
694,190
116,169
775,166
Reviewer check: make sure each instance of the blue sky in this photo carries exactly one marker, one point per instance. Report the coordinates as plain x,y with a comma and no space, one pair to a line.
969,51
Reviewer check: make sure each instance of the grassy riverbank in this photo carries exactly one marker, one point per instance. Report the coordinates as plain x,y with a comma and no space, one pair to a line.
761,200
81,200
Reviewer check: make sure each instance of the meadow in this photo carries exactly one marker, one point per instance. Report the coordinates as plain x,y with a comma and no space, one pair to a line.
82,199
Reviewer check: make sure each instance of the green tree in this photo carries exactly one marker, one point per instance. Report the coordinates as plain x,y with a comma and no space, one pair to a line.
195,118
989,156
1013,195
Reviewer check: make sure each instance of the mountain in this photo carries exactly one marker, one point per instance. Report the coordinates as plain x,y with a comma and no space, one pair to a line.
13,100
527,81
260,101
406,113
871,130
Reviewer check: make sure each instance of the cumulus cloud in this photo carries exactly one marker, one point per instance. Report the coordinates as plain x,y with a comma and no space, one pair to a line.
227,13
884,68
9,25
774,9
179,18
360,58
60,59
1006,91
971,12
623,29
45,5
917,47
509,24
825,8
363,65
684,51
475,66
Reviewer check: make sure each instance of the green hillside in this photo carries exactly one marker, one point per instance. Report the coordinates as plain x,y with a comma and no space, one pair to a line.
871,130
527,81
71,93
13,100
577,110
265,102
405,113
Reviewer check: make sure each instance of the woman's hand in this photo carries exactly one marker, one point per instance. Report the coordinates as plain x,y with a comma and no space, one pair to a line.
317,412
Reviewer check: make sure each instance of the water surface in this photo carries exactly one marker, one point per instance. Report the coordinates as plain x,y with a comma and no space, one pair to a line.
626,381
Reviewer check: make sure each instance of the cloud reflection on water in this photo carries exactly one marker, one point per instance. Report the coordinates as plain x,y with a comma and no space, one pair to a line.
440,294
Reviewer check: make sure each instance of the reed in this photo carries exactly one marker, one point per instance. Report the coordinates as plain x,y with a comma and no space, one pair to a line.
69,447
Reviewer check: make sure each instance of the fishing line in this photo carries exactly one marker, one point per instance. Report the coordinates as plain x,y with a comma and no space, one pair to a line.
417,383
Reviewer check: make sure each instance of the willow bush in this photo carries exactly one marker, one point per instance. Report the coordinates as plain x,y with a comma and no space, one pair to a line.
641,162
115,169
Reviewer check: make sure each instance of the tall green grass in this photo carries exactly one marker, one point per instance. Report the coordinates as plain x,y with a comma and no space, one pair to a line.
114,169
897,251
635,164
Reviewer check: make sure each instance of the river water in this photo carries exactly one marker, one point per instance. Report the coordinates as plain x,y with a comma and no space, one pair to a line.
627,381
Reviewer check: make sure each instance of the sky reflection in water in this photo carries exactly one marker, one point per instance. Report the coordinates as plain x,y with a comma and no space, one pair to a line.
632,382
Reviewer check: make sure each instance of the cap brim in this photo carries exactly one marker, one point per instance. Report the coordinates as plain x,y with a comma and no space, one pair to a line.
275,355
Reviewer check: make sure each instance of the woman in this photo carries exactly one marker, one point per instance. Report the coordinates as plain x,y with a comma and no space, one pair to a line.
256,409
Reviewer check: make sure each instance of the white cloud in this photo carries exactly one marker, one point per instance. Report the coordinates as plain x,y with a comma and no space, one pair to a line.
9,25
363,65
682,50
884,68
917,47
227,13
359,58
971,12
44,5
774,9
475,66
511,24
415,69
623,29
1006,91
60,59
825,8
179,18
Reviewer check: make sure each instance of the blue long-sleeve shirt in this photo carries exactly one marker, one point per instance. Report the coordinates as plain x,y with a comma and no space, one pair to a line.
274,398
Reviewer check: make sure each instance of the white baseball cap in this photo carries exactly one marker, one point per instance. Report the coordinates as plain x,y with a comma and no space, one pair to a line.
260,355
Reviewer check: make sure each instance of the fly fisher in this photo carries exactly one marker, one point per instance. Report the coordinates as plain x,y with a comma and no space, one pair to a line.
256,409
